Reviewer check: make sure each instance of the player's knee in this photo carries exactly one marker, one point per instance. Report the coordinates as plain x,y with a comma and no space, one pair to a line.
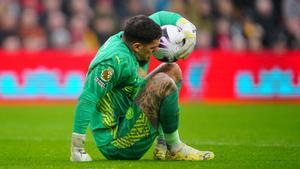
177,71
164,83
163,77
173,70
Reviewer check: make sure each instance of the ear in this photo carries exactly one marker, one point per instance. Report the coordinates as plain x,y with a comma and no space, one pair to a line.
136,47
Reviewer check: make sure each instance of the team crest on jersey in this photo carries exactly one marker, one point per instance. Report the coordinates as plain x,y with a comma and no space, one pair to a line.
106,74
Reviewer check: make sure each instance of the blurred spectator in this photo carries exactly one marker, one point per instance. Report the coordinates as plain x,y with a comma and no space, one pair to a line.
104,7
243,5
58,35
34,41
134,7
8,22
85,24
129,8
279,44
82,37
222,34
224,8
31,33
156,5
291,12
104,26
239,43
178,6
253,33
204,40
51,6
81,7
48,8
264,16
149,6
200,13
11,43
9,5
104,22
162,5
33,4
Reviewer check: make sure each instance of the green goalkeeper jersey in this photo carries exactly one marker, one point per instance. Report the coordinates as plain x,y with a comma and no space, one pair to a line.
112,83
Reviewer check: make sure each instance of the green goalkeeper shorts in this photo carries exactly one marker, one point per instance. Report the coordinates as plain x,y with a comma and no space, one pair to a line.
135,135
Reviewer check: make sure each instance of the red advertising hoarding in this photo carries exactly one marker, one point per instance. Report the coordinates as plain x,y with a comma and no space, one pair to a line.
208,75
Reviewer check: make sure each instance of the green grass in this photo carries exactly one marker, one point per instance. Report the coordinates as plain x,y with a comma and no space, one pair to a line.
242,137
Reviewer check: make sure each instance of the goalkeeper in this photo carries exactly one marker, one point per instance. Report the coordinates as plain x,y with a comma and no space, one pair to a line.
125,108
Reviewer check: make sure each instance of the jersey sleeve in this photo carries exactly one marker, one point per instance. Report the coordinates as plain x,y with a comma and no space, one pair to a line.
100,80
165,18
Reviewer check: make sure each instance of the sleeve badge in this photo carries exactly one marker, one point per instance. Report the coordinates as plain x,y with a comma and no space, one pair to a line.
106,74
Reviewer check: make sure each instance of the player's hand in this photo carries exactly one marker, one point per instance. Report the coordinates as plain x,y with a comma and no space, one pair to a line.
190,38
78,153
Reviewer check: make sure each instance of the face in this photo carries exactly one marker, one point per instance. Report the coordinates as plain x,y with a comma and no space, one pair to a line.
144,51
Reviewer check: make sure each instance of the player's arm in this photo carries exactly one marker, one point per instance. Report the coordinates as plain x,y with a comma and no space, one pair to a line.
165,18
99,81
171,18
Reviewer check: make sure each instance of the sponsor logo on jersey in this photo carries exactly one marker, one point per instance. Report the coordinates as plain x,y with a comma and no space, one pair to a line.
106,74
99,82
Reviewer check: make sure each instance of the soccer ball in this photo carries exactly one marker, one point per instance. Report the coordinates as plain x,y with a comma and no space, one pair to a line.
171,41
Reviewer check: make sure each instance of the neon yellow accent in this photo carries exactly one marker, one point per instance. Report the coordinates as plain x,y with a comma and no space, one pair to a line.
115,130
129,113
130,91
159,155
191,156
183,21
140,130
189,34
160,152
118,59
105,107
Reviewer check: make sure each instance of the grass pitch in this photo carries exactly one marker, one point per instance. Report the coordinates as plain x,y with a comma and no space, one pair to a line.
242,137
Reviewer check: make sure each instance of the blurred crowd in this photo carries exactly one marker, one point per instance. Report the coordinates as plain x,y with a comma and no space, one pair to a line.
82,25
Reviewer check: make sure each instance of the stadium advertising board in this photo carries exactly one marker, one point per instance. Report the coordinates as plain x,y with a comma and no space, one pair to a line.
208,76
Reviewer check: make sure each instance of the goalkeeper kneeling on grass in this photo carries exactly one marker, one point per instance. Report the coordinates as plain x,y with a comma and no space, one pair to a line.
127,109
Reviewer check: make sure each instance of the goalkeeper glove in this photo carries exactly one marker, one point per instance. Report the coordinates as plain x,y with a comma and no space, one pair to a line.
190,38
78,153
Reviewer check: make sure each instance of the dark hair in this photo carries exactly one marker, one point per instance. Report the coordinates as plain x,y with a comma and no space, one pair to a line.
141,29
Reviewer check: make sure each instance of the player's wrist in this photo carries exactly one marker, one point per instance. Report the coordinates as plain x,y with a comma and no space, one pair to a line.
78,139
77,148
